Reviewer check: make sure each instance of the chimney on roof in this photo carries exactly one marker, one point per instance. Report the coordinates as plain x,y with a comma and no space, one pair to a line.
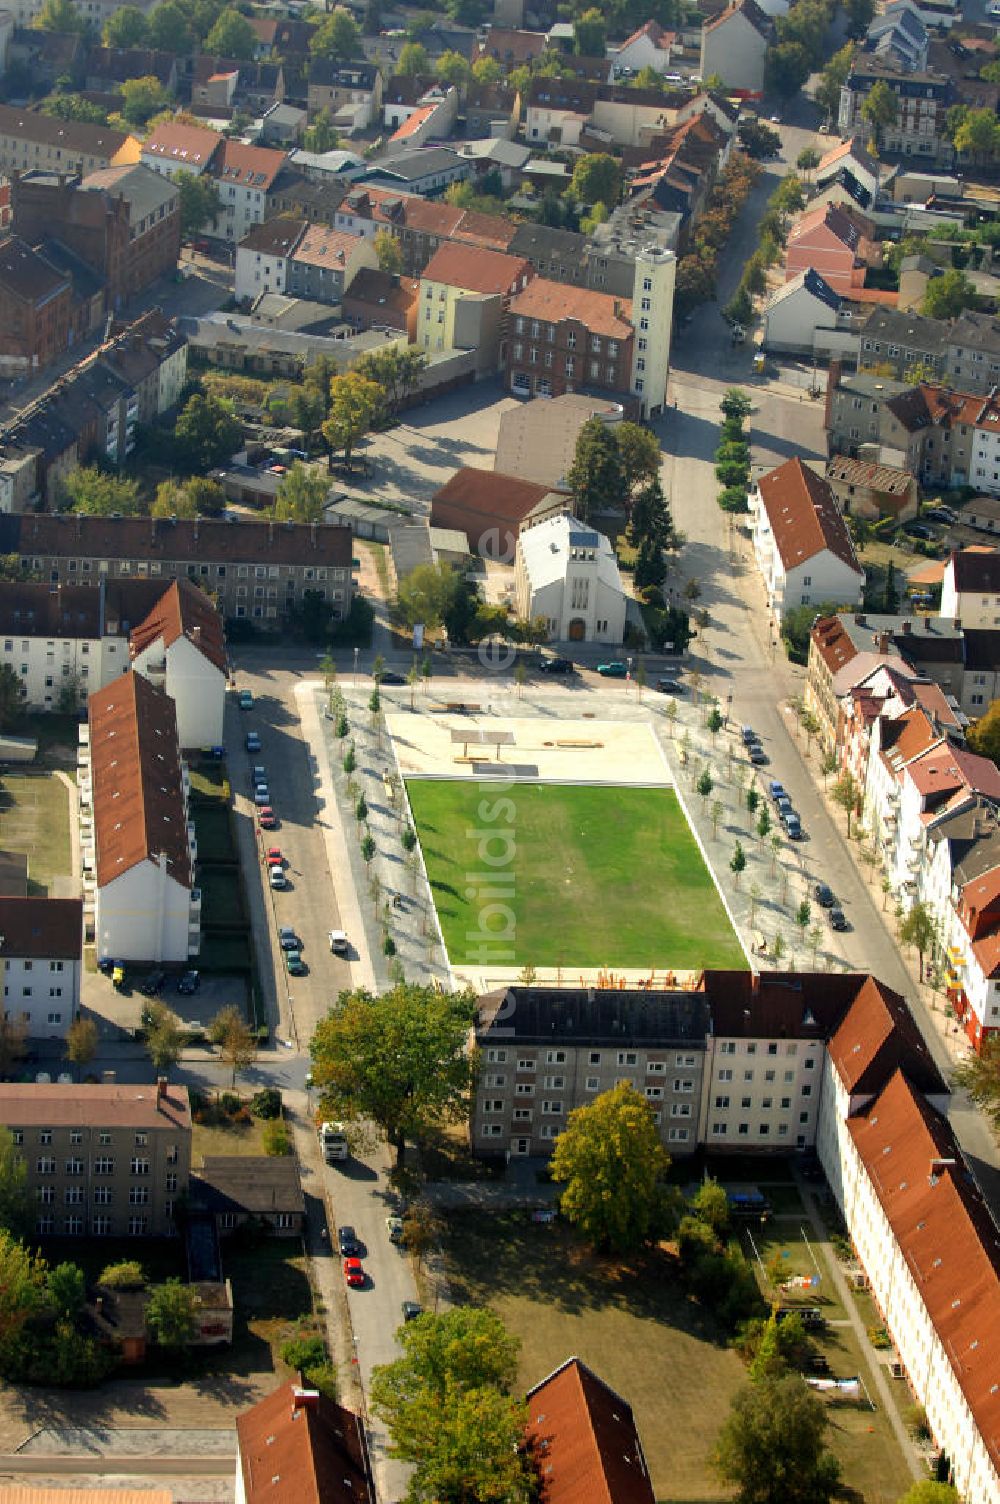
937,1165
859,620
906,628
108,1078
161,1091
312,534
958,624
304,1399
882,643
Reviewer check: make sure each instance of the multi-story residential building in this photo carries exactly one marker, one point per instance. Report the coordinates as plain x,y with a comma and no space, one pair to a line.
351,92
835,242
138,841
855,405
181,648
173,147
735,45
649,47
903,346
323,263
923,99
465,295
804,551
262,256
63,641
588,1438
970,591
244,176
107,68
375,299
255,570
972,362
36,309
870,490
297,1443
41,941
102,1161
419,225
31,140
545,1052
123,222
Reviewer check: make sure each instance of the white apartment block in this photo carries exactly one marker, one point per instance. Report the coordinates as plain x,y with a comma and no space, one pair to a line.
761,1093
41,942
181,648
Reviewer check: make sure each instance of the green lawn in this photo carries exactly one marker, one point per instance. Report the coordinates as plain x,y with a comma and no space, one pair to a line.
34,819
601,876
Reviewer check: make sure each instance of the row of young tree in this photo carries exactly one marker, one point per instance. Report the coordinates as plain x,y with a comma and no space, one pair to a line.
697,269
732,457
786,200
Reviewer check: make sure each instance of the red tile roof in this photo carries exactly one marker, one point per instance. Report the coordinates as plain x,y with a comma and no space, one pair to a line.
946,768
185,145
804,516
945,1234
138,798
476,270
557,303
183,610
878,1036
248,166
42,927
298,1447
477,501
67,1104
832,642
660,39
413,122
584,1442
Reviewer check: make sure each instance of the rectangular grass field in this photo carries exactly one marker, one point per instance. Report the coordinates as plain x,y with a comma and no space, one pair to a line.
593,876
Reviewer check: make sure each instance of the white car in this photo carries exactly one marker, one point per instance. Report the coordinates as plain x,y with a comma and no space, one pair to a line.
338,942
276,877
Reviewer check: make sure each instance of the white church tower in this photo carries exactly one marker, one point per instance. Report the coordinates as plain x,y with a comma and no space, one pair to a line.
653,317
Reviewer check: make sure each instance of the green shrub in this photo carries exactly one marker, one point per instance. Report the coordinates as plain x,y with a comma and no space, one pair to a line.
128,1275
304,1352
388,945
879,1337
266,1104
230,1102
322,1376
276,1138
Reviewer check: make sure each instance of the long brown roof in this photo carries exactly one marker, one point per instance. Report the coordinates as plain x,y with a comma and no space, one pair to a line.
804,516
555,302
298,1447
487,495
206,539
138,797
583,1440
183,610
878,1036
42,927
72,135
946,1235
476,270
69,1104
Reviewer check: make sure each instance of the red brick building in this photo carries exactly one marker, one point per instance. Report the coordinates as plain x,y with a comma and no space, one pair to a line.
567,339
35,309
123,223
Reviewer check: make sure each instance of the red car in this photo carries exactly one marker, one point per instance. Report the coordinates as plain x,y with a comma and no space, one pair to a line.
354,1273
266,819
274,857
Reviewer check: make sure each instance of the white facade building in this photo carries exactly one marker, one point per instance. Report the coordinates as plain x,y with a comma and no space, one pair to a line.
567,574
41,942
761,1093
181,648
138,841
649,47
970,590
804,551
653,317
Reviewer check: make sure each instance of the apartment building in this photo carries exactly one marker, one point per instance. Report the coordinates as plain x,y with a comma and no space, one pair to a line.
181,648
174,146
297,1447
244,177
323,263
137,838
419,225
123,222
102,1161
465,297
970,591
735,46
545,1052
903,346
588,1437
351,92
62,641
255,570
804,551
41,941
563,338
30,140
972,361
36,309
923,99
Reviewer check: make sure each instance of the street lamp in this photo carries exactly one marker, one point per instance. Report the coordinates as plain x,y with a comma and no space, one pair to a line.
356,650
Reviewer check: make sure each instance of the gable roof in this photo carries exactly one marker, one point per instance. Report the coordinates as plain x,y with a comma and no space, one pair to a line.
371,285
878,1036
70,1104
321,246
138,798
298,1447
804,516
832,642
584,1442
49,928
248,541
489,495
173,141
183,610
975,571
661,40
832,217
476,270
751,12
72,135
251,166
555,302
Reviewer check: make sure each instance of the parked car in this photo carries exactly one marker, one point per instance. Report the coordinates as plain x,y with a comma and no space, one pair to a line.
613,670
749,736
261,795
391,677
188,983
277,879
823,895
347,1241
288,939
258,774
776,790
246,699
757,755
411,1310
266,818
394,1227
783,805
669,687
793,827
838,920
354,1273
557,666
274,857
941,514
153,984
252,742
338,942
295,964
918,530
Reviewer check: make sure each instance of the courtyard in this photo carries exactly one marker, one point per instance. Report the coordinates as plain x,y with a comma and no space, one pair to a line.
593,876
35,821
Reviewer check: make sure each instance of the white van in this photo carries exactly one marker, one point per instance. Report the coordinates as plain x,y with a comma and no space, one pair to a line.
333,1142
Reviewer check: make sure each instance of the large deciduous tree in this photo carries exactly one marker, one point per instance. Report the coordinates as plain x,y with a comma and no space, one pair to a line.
200,202
206,433
772,1447
338,36
597,178
399,1060
979,1075
596,477
354,401
232,36
613,1168
15,1199
128,27
301,496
